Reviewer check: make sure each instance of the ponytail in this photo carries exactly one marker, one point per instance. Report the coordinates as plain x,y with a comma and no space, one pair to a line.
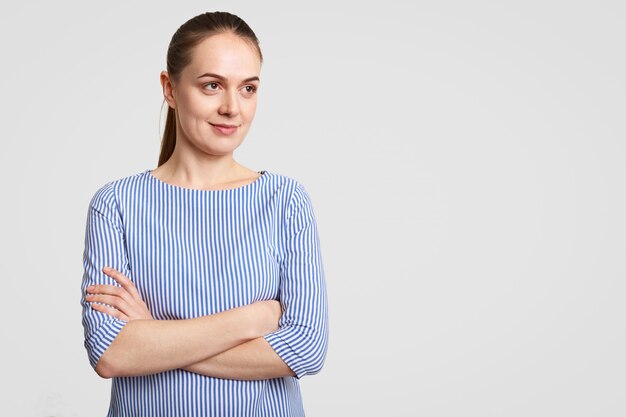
169,136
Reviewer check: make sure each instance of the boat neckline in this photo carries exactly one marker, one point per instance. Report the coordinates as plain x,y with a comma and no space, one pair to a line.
264,173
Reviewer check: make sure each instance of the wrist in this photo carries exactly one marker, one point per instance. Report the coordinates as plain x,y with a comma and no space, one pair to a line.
252,318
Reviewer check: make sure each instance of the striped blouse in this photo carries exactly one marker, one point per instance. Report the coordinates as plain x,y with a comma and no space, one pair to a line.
195,252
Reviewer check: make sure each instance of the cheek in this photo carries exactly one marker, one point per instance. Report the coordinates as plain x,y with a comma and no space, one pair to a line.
250,109
195,105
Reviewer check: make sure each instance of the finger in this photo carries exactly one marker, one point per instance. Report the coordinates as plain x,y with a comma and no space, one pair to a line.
114,290
110,300
107,289
109,310
123,280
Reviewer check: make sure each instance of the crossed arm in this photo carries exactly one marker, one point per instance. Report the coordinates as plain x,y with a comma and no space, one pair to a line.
224,345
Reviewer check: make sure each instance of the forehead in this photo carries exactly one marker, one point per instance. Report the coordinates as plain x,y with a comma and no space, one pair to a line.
224,54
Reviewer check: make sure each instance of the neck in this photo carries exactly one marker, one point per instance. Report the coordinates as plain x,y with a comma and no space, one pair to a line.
199,170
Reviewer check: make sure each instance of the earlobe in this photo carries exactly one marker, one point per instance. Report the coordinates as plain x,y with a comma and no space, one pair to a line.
167,89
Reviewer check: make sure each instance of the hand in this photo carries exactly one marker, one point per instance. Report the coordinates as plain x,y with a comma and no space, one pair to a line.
123,302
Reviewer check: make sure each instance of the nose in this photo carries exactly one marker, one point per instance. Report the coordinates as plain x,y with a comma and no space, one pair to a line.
230,104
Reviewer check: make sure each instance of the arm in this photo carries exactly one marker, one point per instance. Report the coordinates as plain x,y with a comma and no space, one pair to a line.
251,360
302,338
118,347
254,359
149,346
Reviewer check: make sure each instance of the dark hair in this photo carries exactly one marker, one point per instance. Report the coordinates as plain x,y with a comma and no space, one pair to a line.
190,34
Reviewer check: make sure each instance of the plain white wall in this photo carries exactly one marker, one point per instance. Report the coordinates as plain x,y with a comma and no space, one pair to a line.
466,162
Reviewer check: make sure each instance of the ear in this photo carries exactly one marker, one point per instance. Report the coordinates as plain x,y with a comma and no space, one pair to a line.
168,89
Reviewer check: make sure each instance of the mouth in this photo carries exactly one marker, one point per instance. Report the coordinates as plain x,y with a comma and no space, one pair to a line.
224,129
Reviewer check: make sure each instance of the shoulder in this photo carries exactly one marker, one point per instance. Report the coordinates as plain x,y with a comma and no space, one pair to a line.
293,193
279,180
107,195
290,187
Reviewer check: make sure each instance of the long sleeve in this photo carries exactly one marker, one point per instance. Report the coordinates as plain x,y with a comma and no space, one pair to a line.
105,245
302,338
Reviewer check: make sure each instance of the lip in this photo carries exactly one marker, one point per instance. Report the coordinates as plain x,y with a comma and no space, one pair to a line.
224,129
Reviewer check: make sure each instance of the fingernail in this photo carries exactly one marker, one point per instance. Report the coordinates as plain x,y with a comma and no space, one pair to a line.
90,288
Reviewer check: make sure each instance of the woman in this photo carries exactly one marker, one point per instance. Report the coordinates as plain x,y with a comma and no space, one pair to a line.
214,299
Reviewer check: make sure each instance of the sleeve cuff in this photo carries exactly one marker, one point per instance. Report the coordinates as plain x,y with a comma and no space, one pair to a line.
286,353
99,342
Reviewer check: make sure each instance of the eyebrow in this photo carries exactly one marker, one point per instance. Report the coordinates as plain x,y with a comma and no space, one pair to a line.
219,77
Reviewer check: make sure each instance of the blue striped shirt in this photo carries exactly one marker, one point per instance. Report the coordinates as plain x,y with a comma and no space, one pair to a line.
194,252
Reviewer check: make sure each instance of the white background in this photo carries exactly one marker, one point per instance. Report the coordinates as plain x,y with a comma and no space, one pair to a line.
466,162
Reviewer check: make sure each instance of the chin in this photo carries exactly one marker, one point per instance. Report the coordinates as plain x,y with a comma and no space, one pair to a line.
226,150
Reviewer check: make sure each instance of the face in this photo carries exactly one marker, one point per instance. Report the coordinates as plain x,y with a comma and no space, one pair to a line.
216,95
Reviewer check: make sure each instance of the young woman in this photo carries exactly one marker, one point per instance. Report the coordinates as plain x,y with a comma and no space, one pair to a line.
203,290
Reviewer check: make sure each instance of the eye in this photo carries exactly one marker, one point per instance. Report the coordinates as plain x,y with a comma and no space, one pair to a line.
211,86
249,89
